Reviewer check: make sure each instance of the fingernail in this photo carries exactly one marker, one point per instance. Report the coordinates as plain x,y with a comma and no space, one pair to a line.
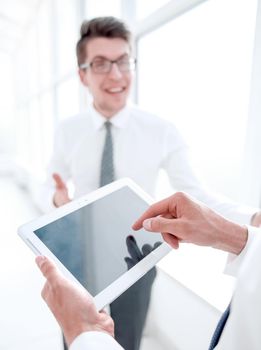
39,260
147,224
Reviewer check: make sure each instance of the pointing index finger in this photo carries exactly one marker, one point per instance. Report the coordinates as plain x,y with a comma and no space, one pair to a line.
156,209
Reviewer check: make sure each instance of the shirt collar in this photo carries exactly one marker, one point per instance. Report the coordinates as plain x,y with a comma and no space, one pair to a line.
119,120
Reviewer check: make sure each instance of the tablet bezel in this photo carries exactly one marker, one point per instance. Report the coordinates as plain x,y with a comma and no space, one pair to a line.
111,292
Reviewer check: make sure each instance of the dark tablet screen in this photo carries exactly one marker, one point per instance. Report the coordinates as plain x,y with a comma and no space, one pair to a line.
91,241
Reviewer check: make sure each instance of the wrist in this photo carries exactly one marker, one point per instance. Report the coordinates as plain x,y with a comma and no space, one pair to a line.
72,334
233,237
256,219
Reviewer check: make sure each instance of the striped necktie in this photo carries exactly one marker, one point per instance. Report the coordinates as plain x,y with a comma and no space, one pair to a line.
107,169
219,329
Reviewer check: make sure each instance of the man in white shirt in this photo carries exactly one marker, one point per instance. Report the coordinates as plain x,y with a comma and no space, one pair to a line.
142,142
182,220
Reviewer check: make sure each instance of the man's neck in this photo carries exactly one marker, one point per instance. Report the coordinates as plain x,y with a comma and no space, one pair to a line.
108,114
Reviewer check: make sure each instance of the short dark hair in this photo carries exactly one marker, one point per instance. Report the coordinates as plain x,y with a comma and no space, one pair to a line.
106,27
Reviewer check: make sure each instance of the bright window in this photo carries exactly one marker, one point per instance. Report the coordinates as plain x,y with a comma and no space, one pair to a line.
7,123
96,8
45,45
36,137
67,36
68,98
47,125
195,71
145,7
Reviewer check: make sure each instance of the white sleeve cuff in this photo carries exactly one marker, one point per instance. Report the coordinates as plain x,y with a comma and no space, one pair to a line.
95,340
234,261
44,199
242,215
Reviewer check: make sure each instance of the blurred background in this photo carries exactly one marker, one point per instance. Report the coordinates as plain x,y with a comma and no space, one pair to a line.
199,66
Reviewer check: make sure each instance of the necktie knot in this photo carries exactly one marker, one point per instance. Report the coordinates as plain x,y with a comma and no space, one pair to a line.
108,126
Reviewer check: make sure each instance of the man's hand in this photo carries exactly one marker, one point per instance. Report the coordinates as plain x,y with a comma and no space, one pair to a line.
256,219
71,304
61,195
181,219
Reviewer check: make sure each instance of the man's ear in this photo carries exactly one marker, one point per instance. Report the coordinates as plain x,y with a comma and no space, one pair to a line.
83,77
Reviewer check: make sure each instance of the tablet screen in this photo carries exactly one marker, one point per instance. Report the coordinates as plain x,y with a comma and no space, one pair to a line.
91,241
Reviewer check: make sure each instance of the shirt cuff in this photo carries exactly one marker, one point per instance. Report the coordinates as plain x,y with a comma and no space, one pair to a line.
93,341
243,215
43,198
234,261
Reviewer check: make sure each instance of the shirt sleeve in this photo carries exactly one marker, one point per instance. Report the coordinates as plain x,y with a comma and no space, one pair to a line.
58,164
93,341
234,262
177,163
242,330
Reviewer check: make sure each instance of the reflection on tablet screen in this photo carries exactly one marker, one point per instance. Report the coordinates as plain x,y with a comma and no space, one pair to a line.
91,241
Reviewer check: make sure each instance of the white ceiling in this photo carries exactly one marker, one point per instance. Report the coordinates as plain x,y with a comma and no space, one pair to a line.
15,16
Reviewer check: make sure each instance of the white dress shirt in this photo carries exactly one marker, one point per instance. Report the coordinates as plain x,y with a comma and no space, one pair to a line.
95,341
143,144
242,330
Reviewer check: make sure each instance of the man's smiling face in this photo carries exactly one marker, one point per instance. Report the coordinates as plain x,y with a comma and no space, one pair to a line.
110,90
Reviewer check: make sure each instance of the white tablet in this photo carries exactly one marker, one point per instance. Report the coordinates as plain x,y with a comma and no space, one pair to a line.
87,239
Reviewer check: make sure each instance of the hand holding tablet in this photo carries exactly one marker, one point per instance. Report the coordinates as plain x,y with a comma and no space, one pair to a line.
86,238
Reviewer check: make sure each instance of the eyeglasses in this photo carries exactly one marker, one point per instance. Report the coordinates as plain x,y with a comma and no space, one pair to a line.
103,66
